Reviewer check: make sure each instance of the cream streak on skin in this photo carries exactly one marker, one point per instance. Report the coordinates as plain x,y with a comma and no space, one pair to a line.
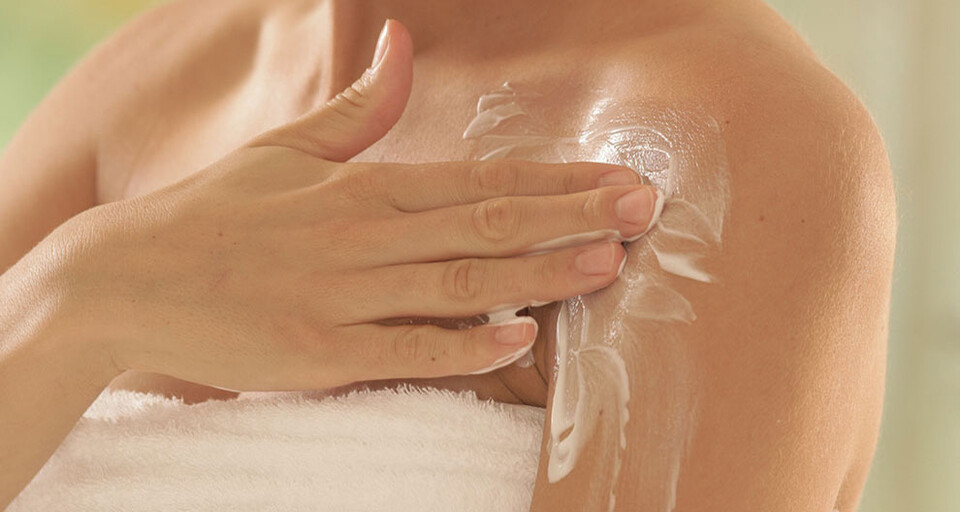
681,153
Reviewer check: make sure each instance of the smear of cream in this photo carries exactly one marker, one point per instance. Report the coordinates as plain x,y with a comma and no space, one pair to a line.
680,152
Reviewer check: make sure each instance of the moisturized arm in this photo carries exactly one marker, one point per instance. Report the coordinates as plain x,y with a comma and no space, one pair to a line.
745,371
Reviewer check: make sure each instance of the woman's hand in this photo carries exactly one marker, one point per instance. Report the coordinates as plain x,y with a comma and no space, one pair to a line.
275,268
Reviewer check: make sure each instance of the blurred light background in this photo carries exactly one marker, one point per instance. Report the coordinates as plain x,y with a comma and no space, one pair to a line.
901,56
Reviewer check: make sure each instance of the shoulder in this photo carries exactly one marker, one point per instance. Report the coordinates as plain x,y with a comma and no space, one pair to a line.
171,70
159,50
176,43
808,167
813,210
807,251
800,143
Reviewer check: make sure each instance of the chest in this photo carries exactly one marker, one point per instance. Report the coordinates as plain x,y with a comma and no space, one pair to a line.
161,142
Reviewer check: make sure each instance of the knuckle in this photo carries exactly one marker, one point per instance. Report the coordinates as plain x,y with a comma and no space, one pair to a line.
354,104
468,346
407,343
591,209
546,271
351,109
570,182
463,280
501,178
496,220
413,345
350,99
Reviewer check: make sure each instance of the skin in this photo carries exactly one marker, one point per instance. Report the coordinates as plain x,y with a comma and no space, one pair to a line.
789,347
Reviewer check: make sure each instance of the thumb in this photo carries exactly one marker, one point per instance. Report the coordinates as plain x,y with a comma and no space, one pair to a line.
363,112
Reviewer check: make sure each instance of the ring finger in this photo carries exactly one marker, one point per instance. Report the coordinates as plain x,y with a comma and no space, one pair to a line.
474,286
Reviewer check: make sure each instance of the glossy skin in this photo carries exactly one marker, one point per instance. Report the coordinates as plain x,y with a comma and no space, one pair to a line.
789,347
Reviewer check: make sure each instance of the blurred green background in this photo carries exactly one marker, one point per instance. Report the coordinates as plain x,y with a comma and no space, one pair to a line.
901,56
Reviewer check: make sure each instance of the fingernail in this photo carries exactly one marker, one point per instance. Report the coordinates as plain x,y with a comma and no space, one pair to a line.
637,207
596,261
505,360
383,42
519,333
618,178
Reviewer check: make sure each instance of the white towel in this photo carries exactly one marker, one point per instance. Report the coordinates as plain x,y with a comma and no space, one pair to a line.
407,449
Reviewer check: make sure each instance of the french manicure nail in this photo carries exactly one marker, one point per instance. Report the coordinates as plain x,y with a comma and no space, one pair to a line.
654,218
596,261
618,178
505,360
515,333
637,207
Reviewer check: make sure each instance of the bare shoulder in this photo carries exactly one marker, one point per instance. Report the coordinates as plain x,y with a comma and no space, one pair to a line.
802,147
814,211
156,48
807,162
809,173
164,42
206,71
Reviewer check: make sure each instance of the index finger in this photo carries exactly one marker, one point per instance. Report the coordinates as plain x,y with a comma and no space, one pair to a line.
421,187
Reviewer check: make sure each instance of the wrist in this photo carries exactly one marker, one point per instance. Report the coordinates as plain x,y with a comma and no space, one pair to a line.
44,306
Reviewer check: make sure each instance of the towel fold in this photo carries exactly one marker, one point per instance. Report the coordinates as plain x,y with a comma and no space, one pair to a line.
405,449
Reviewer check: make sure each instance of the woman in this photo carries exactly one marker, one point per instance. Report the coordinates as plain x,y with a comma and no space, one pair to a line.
782,371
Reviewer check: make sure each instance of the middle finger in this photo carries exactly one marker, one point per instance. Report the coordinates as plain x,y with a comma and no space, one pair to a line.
511,226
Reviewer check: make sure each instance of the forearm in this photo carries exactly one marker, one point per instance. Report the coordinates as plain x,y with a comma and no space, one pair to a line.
50,372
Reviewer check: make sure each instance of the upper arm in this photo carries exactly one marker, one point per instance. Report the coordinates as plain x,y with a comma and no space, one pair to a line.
770,399
791,341
48,171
